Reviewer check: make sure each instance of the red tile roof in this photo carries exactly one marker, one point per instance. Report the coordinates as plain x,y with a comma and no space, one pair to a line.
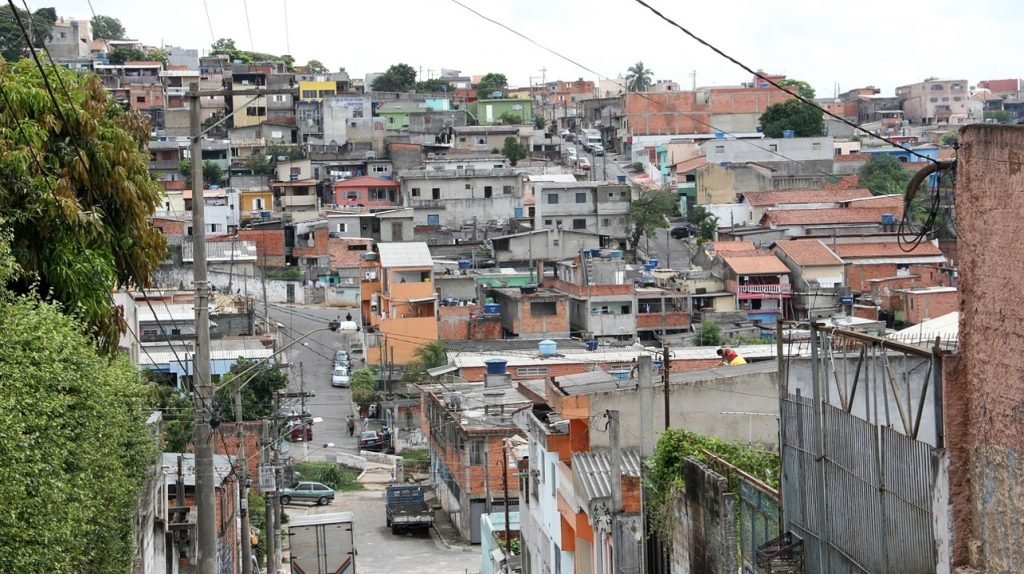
795,196
885,249
879,201
845,182
691,164
829,216
852,157
731,246
808,252
754,264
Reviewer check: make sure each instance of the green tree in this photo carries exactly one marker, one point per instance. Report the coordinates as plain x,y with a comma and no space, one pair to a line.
510,119
12,40
261,384
513,150
78,195
638,77
227,46
706,223
107,27
538,123
950,138
212,173
316,67
122,54
157,55
364,386
648,212
433,354
803,88
432,86
490,83
178,414
884,175
708,335
999,116
805,120
74,447
398,78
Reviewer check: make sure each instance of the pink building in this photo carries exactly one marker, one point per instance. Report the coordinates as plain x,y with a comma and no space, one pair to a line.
366,193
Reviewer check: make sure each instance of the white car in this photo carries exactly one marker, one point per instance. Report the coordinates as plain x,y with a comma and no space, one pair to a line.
584,164
340,377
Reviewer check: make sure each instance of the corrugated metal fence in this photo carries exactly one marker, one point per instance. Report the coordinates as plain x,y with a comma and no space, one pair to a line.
862,505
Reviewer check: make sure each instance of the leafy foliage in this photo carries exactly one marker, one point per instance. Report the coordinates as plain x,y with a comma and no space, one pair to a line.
950,138
665,468
514,150
805,120
74,447
316,67
802,87
432,86
398,78
648,212
212,173
884,175
638,77
336,476
12,40
706,223
76,192
178,415
708,335
433,354
364,386
107,27
261,383
227,46
122,54
490,83
999,116
510,119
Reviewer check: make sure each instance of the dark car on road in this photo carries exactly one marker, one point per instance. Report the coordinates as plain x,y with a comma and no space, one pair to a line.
683,231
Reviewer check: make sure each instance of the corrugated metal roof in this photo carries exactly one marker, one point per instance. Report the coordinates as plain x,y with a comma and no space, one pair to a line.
412,254
594,471
169,464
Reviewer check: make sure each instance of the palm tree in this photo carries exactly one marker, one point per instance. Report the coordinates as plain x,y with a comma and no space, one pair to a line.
638,78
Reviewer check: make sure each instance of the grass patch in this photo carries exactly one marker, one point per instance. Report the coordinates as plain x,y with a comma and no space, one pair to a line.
340,478
415,454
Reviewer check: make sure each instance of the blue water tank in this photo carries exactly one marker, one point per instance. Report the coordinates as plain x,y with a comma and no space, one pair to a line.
888,219
788,133
265,214
591,344
615,254
595,252
496,366
463,264
653,262
492,308
517,212
621,178
547,347
719,135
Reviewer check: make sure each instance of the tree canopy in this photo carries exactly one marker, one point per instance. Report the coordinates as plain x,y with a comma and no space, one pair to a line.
433,354
12,40
76,192
316,67
227,46
212,173
638,77
74,446
490,83
805,120
398,78
432,86
648,212
264,380
803,88
107,27
884,175
706,223
513,150
122,54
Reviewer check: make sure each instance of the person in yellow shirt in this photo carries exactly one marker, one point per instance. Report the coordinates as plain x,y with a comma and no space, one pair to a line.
731,357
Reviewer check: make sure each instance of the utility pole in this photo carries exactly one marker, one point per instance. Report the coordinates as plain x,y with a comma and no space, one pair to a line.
243,485
615,461
646,387
666,367
206,556
504,484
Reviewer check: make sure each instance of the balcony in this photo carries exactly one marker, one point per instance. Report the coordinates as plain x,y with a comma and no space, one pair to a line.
164,164
764,291
426,204
295,201
248,142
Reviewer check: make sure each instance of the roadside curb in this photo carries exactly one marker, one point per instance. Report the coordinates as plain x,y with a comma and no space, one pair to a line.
440,537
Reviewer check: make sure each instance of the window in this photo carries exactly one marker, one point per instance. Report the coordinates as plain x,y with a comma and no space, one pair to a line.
469,186
358,247
498,165
547,222
531,371
506,189
937,87
488,191
255,111
933,100
435,193
957,98
462,140
945,98
140,99
352,195
581,197
773,147
816,146
391,119
481,141
517,107
380,168
543,308
579,223
606,221
279,98
257,203
552,199
719,149
460,167
415,192
476,451
307,94
625,309
63,35
341,227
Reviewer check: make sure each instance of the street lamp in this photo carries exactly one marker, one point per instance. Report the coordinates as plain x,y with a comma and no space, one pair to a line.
243,467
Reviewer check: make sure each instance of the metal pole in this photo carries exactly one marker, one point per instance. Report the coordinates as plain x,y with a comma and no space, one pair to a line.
504,484
243,485
824,544
783,394
666,366
206,557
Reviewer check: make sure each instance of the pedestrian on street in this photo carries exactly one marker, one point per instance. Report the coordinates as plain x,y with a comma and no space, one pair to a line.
351,426
348,317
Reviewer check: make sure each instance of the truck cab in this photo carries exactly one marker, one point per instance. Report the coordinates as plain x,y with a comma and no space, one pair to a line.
407,508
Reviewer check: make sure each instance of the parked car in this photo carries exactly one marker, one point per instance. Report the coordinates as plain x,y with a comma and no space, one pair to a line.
341,358
597,150
374,441
584,164
299,431
315,491
683,231
340,377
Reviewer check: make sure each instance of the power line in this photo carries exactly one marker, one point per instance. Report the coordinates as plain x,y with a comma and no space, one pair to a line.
775,84
287,33
209,23
245,5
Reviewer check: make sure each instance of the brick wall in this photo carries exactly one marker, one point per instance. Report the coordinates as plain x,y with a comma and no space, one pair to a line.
665,113
269,245
319,247
745,100
704,538
587,290
227,445
860,275
467,323
344,258
169,226
918,307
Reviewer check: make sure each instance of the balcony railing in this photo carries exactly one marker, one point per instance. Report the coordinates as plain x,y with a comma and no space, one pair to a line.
776,290
426,204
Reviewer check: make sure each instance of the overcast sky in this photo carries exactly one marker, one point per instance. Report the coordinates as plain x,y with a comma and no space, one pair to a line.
852,44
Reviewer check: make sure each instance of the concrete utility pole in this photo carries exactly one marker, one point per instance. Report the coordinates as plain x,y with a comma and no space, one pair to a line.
206,557
243,485
646,378
504,484
666,367
615,461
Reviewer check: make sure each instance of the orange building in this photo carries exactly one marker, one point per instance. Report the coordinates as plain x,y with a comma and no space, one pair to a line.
399,305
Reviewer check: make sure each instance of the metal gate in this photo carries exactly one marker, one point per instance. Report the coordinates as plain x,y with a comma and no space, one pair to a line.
859,492
759,520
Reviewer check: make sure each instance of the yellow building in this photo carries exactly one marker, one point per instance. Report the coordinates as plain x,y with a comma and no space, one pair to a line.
253,202
316,90
399,305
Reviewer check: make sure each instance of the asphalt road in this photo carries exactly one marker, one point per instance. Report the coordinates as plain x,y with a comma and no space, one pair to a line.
381,552
670,253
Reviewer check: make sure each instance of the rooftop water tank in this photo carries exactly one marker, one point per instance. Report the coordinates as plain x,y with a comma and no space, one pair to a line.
492,309
547,347
591,345
615,254
463,264
496,366
888,219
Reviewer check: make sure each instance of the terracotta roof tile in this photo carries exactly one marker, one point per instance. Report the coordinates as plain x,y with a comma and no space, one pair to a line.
851,157
885,249
845,182
755,264
829,216
731,246
795,196
877,201
808,252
